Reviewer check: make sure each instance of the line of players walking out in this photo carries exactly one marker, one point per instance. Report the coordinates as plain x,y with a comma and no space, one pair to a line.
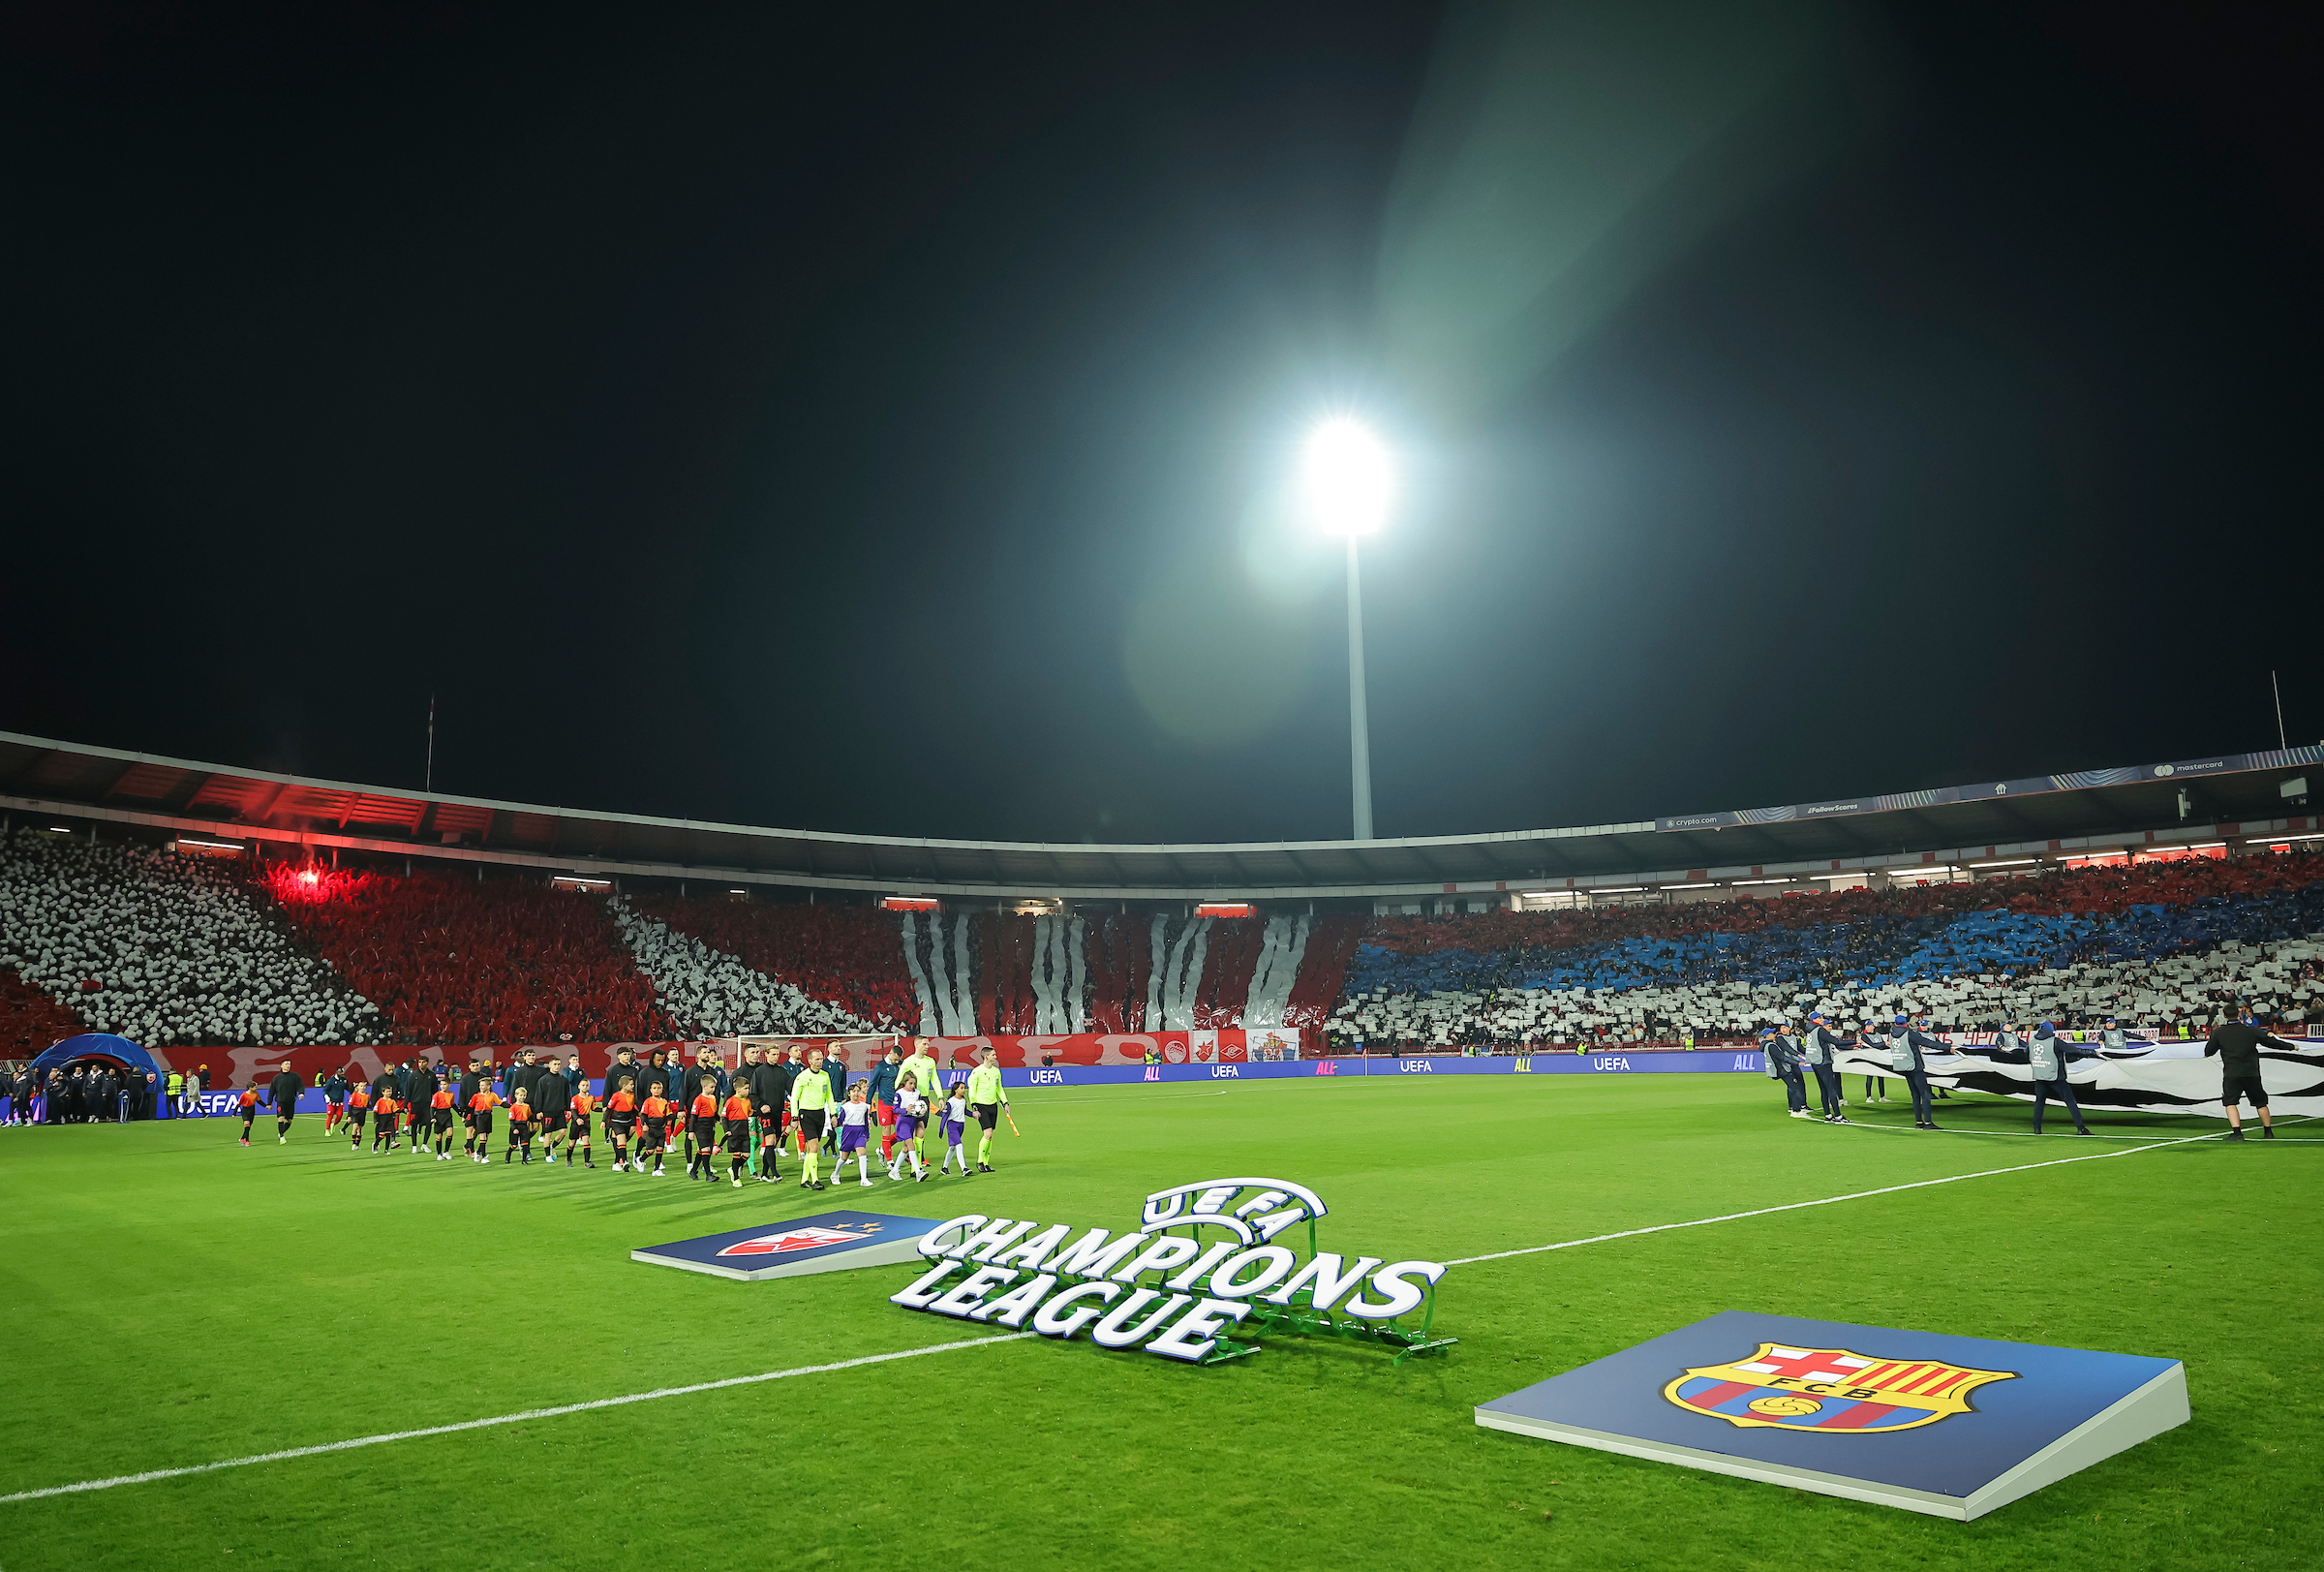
649,1110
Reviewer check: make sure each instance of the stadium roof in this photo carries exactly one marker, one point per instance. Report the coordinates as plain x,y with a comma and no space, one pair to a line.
2229,796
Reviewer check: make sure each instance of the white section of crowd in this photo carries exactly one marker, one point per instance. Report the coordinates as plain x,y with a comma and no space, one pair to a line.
1059,975
1284,947
713,993
183,950
2196,990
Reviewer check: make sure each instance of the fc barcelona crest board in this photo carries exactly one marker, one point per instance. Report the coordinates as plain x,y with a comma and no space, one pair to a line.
827,1242
1950,1426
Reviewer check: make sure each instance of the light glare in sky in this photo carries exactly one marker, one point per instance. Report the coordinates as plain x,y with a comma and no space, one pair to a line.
1350,481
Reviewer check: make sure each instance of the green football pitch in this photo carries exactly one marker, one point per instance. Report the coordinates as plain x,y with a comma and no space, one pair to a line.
175,1300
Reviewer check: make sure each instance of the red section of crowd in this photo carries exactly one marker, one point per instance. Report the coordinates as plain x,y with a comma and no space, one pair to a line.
1233,956
30,1021
452,961
1004,994
846,955
2081,890
1121,959
1331,943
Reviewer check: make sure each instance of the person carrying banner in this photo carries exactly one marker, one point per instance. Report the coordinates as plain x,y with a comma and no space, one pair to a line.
2238,1045
1819,1046
1905,1044
1783,1062
2049,1056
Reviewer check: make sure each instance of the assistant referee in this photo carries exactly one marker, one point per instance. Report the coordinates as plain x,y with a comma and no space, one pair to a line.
2238,1046
986,1097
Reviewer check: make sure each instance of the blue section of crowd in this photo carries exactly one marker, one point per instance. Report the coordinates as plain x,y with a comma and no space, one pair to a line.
1877,950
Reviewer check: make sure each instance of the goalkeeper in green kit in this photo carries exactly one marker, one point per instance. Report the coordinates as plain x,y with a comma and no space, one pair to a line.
987,1097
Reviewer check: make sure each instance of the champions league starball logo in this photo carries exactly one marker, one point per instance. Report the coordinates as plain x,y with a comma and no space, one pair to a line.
1023,1275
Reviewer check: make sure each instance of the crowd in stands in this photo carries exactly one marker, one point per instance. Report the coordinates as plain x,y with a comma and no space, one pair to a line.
454,960
178,950
163,948
29,1019
842,955
708,991
2172,945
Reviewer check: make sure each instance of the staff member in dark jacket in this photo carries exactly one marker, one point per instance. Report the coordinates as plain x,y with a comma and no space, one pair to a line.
282,1092
2238,1046
1782,1058
2048,1054
1818,1047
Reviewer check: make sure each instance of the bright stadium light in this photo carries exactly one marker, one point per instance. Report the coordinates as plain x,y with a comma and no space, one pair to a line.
1349,480
1350,483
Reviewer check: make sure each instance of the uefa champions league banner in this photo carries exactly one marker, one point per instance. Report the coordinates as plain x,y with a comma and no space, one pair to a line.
2142,1077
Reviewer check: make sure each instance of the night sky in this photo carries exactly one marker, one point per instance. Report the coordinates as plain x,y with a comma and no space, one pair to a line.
861,419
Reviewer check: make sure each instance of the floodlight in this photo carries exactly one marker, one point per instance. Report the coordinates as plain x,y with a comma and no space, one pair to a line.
1350,480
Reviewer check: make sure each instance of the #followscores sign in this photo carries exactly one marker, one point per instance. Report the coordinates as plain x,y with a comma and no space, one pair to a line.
1226,1270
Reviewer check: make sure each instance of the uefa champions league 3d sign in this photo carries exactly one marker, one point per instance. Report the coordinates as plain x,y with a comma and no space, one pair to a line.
1226,1273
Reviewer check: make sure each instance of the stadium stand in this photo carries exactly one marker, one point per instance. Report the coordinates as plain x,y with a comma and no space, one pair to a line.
29,1019
712,993
2172,945
174,949
164,948
456,961
845,956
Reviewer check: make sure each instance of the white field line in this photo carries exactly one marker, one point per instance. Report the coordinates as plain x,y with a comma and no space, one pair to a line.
2029,1135
1833,1200
506,1419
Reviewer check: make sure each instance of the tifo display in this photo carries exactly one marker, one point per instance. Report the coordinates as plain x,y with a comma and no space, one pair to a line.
184,956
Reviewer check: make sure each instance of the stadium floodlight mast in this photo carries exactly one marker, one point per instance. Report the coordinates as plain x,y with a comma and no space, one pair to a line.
1350,483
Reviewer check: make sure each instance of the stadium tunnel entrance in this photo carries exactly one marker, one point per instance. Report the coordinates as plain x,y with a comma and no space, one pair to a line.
133,1063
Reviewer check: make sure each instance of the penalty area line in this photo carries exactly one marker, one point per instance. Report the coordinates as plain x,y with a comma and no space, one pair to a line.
1831,1200
286,1455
